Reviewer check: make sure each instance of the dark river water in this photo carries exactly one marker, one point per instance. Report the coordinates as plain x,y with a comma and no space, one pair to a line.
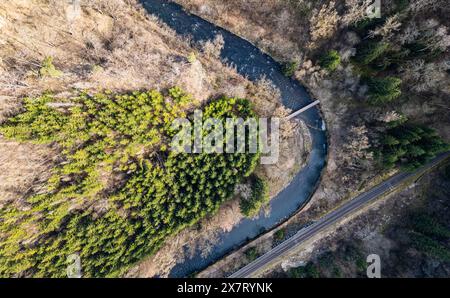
254,64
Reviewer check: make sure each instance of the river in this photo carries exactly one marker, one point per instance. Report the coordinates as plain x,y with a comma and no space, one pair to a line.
254,64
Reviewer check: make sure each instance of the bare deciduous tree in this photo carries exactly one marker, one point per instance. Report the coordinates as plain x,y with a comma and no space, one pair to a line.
357,147
390,116
410,34
356,11
214,48
423,76
324,22
287,127
391,25
420,5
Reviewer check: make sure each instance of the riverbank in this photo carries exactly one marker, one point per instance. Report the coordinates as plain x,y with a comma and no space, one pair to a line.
255,65
116,45
300,33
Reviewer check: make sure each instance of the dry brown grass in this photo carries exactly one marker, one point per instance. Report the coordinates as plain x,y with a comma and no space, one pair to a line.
107,44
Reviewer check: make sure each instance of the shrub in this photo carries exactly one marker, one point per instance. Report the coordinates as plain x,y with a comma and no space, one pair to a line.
48,69
252,205
280,234
192,57
361,264
366,24
330,61
290,68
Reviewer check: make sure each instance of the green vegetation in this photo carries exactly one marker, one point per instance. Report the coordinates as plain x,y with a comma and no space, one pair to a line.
290,68
383,90
280,234
372,57
252,254
368,51
352,253
192,57
363,26
409,146
401,5
330,61
310,270
97,68
422,49
48,69
348,256
251,206
336,272
119,192
430,247
427,225
326,260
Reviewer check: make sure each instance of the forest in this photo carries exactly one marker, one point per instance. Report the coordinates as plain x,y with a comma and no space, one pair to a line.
118,191
382,82
419,234
380,63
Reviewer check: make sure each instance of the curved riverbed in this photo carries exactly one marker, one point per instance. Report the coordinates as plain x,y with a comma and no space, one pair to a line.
254,64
